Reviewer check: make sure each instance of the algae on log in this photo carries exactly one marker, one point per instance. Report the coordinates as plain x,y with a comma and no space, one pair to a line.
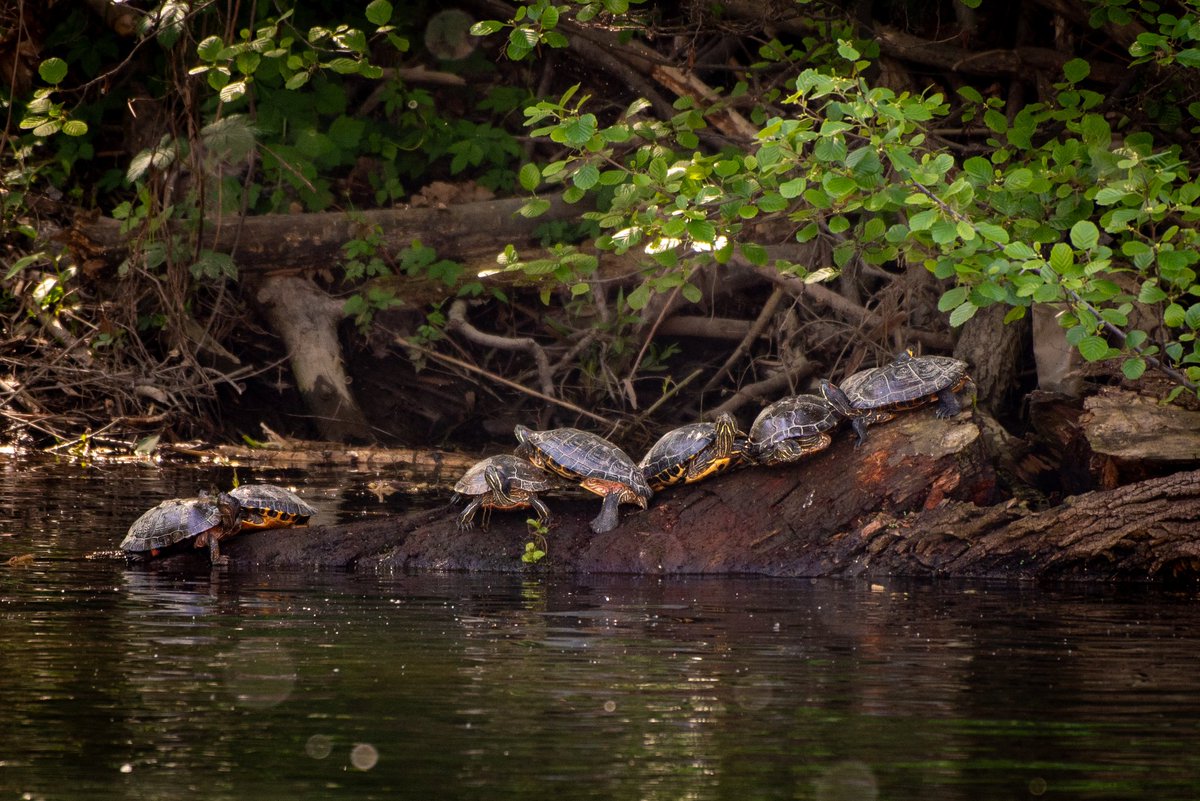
782,521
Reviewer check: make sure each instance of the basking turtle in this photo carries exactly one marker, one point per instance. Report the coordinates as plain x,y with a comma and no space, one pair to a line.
870,396
595,463
206,520
693,452
502,482
790,428
268,506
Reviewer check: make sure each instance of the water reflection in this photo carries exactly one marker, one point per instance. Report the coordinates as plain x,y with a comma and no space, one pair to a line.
147,684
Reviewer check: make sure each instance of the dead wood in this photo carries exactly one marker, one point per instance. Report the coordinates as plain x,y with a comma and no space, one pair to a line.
425,467
845,308
690,325
779,521
306,320
1150,529
1015,61
904,504
456,323
304,241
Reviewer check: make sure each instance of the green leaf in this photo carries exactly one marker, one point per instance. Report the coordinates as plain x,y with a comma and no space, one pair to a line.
1192,317
1133,368
1174,315
1076,70
943,232
953,298
994,120
586,176
923,220
210,48
963,313
701,231
534,208
1085,235
638,298
992,232
793,188
486,27
1110,195
755,254
1020,250
1015,313
1019,178
75,128
1189,57
529,176
232,91
379,12
1093,348
578,131
1151,292
691,293
1061,257
53,70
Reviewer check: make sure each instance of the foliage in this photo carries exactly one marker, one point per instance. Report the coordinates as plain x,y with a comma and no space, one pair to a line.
536,549
1061,210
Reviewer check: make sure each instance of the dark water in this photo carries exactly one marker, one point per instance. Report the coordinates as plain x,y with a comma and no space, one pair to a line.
135,684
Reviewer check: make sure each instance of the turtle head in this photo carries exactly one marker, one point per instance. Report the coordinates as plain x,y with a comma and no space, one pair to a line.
834,396
497,484
230,508
726,431
524,439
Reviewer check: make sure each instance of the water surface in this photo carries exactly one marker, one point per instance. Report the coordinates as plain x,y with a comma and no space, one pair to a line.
143,684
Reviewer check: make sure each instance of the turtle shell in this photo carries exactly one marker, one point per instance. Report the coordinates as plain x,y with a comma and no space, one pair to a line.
518,473
906,382
790,428
171,522
502,482
269,506
583,457
693,452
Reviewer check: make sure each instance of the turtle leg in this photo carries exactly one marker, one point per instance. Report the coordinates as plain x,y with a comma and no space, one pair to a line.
607,519
859,424
948,404
543,511
466,520
214,551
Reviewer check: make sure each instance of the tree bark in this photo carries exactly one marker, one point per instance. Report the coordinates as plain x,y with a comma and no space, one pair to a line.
271,241
785,521
306,320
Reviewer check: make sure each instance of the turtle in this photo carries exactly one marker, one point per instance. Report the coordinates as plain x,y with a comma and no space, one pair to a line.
870,396
791,428
269,506
502,482
593,462
206,519
693,452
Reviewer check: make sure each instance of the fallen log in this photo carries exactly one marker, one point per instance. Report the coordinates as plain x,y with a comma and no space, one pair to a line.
916,500
305,241
778,521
